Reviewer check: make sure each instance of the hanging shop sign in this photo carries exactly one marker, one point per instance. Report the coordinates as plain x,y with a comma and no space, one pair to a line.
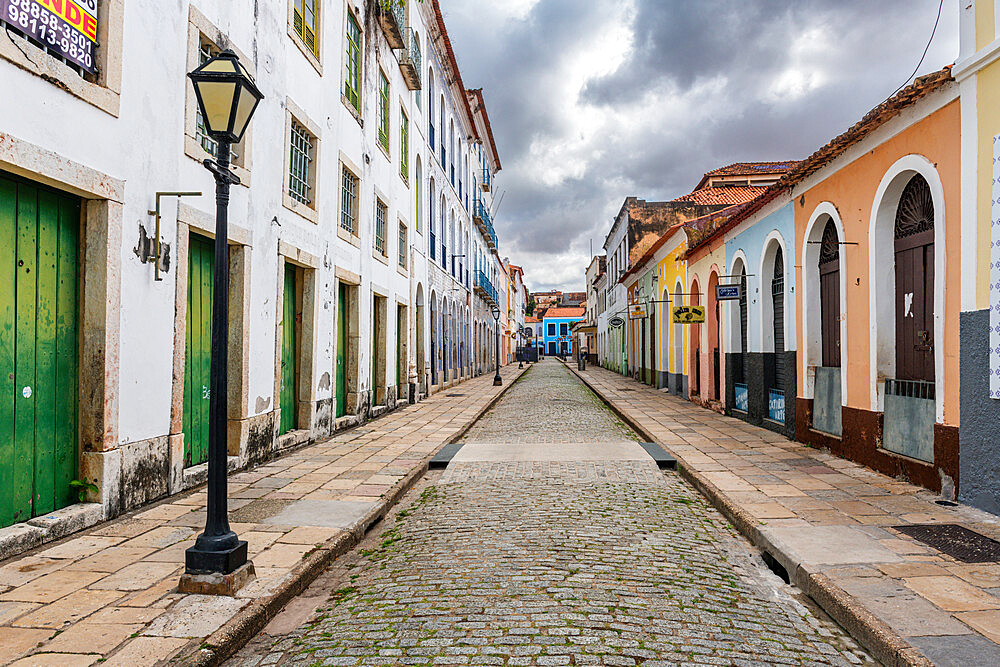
66,27
616,322
728,292
689,314
637,311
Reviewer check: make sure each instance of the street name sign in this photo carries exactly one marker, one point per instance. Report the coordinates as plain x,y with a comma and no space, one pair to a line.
616,322
728,292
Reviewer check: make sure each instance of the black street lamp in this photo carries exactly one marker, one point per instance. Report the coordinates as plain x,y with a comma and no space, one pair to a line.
227,97
495,311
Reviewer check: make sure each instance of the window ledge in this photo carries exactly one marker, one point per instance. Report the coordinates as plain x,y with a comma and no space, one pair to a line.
348,236
402,270
310,56
350,107
36,61
294,206
380,257
406,181
384,150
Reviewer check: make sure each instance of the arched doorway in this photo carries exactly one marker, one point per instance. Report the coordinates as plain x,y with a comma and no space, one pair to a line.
776,391
694,374
421,372
679,369
435,343
914,253
712,317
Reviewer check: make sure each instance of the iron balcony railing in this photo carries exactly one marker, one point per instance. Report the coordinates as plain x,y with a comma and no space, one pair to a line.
487,181
485,289
481,216
411,62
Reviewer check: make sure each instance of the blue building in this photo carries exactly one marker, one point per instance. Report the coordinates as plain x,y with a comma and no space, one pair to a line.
557,324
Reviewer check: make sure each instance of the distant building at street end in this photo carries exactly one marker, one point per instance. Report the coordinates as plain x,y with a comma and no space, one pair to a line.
557,323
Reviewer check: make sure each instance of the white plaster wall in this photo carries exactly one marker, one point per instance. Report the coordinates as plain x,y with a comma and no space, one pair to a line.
144,146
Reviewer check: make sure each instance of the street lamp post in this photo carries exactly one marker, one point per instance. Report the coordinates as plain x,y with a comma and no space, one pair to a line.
227,97
497,380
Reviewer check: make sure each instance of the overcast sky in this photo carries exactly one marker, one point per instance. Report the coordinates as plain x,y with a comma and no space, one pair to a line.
592,101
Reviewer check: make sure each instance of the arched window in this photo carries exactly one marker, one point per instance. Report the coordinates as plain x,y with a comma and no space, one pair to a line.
914,250
829,294
444,233
417,203
430,219
430,108
443,138
452,240
778,318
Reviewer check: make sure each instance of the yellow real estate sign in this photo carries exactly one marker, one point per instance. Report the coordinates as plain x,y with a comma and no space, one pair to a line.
689,314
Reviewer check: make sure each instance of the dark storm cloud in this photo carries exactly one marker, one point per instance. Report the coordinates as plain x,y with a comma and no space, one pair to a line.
705,83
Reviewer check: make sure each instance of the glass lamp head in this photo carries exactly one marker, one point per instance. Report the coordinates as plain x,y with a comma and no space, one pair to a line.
227,96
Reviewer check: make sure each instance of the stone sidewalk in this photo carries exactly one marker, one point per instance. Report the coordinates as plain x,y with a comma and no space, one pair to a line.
109,594
831,524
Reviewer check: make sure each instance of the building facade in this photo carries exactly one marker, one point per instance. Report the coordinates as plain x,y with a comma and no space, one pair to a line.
351,239
557,329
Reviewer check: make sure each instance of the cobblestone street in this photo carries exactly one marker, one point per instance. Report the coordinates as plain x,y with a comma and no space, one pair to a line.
551,555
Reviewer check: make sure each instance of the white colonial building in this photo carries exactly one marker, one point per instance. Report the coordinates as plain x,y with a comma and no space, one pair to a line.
362,254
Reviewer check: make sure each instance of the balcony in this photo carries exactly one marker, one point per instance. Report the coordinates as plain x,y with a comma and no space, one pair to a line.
486,184
485,289
392,18
481,216
411,62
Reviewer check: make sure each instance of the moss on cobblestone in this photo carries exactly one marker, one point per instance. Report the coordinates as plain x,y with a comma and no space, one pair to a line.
500,563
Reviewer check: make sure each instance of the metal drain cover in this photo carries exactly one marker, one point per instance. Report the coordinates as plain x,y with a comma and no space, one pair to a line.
960,543
453,395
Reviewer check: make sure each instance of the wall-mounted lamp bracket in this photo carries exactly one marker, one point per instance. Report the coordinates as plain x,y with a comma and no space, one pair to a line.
156,233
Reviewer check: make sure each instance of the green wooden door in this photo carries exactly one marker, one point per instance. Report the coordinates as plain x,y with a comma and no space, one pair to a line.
39,241
288,356
342,350
198,348
399,352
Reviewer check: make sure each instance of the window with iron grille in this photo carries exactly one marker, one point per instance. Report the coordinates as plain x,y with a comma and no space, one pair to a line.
306,24
402,245
302,147
404,145
206,51
383,111
352,77
381,212
349,202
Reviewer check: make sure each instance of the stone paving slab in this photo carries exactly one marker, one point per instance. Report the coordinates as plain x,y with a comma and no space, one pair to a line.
829,522
109,595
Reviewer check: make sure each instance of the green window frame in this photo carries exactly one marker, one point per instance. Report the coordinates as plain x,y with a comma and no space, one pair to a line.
349,201
402,245
381,212
404,145
352,78
300,160
305,21
383,110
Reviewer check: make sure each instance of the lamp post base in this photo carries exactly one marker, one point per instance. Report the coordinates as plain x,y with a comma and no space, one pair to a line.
216,583
223,561
497,381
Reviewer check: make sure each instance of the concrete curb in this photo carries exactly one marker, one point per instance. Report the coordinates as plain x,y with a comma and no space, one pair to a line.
875,635
244,626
